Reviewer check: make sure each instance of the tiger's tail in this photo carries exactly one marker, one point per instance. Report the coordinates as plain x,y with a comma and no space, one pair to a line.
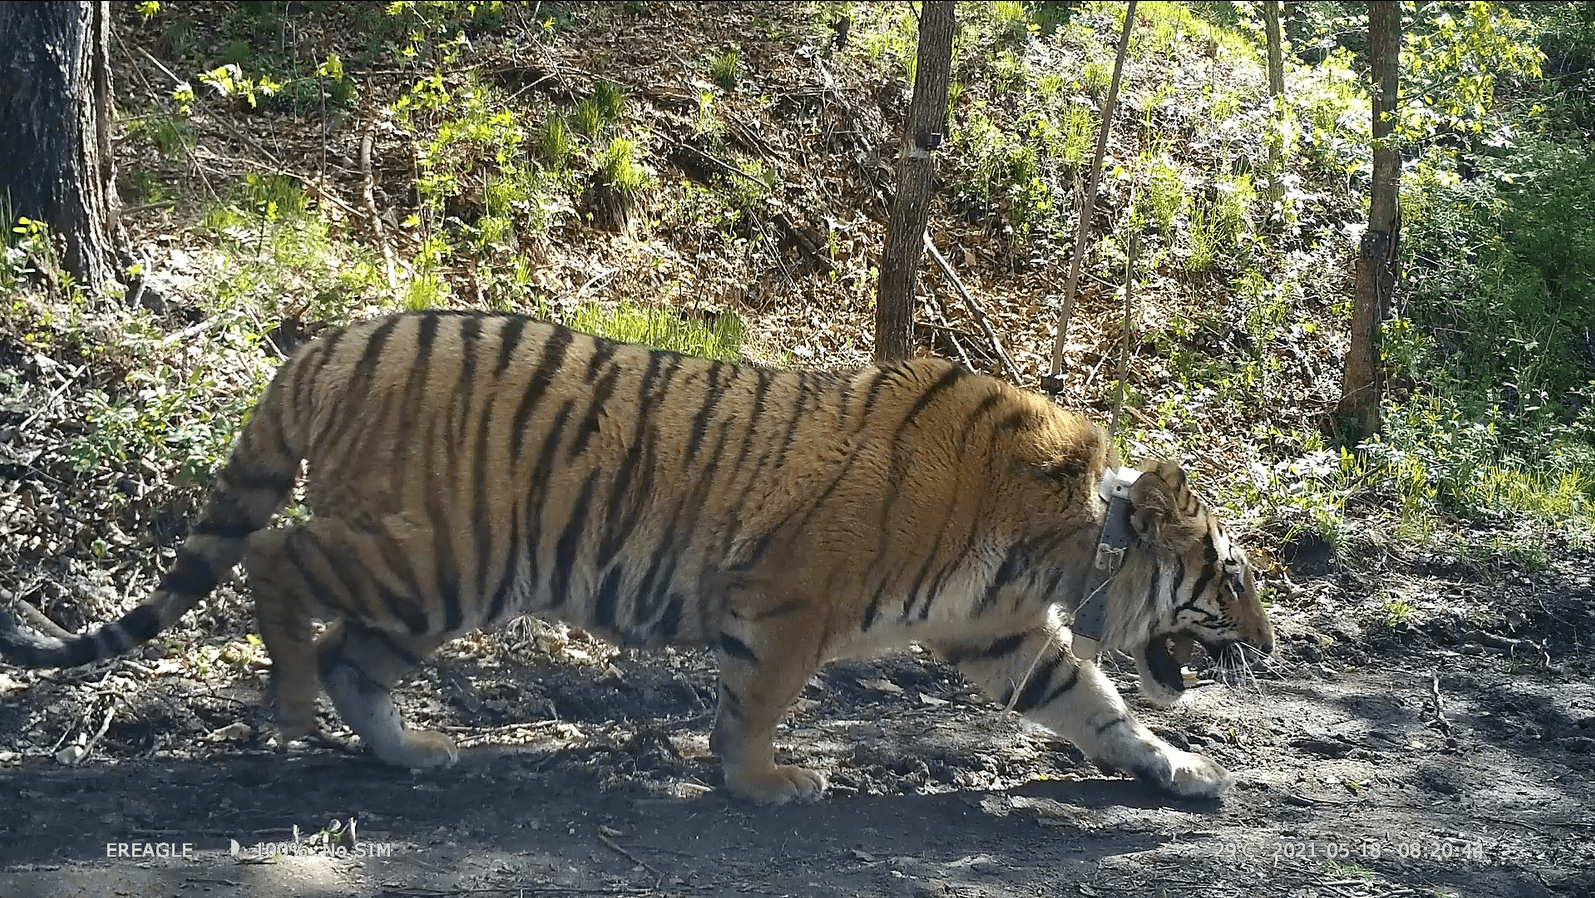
249,489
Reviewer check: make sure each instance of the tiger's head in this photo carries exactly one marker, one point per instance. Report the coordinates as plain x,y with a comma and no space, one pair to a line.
1184,583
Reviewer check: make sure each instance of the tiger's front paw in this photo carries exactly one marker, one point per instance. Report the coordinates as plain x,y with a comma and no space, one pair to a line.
1183,773
416,750
776,783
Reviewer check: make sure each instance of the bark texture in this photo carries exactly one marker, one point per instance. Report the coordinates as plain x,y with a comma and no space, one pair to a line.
922,134
1377,255
1276,93
55,123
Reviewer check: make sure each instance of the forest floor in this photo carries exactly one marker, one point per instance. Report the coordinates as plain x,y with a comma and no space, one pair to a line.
1427,726
1452,758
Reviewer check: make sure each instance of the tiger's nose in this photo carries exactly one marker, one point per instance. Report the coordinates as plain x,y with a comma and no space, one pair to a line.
1262,639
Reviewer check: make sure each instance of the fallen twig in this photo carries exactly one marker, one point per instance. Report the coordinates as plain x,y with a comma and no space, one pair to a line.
974,307
612,845
51,399
368,183
39,621
1439,711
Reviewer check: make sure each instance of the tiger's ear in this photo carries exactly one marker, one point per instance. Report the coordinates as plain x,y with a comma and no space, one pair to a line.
1162,507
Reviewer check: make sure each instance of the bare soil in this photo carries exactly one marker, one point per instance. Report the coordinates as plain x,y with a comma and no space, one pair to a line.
1448,754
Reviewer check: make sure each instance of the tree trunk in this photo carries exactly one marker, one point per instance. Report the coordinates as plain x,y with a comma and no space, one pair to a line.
922,133
1052,381
1376,259
55,123
1276,94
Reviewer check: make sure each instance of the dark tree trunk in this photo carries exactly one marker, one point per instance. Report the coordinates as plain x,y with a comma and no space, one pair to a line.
55,126
905,232
1276,93
1376,258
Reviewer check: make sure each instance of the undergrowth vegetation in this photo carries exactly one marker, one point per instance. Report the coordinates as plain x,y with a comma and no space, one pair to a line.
440,159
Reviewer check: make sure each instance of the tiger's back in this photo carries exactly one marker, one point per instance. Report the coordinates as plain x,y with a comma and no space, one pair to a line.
516,466
465,467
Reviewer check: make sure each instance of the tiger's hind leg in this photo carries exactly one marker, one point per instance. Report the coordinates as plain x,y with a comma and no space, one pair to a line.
285,629
1075,699
316,570
360,667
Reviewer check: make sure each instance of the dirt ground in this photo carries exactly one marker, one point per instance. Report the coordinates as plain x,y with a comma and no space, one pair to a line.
1451,754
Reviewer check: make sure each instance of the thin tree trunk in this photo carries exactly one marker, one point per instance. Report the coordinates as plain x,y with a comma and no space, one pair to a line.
1276,94
1053,380
55,125
922,133
1376,259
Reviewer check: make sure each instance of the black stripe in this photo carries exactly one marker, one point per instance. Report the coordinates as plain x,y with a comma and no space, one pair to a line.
405,610
870,401
700,421
1020,420
244,479
1069,683
1002,648
328,602
608,598
730,703
536,512
190,575
509,337
275,422
791,606
941,385
306,370
1012,564
506,583
595,410
761,392
360,380
1209,567
414,396
231,528
448,569
946,572
669,623
446,582
641,450
470,343
980,410
736,648
604,351
873,609
402,567
799,413
657,579
142,623
569,541
1035,691
483,526
553,356
957,655
1157,575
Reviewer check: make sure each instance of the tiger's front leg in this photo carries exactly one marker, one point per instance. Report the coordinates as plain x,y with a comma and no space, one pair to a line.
1074,699
763,666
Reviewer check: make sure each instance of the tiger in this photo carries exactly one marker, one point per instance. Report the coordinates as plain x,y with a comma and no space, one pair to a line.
465,468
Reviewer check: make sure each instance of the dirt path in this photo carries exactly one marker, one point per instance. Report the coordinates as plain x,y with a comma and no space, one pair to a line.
594,778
